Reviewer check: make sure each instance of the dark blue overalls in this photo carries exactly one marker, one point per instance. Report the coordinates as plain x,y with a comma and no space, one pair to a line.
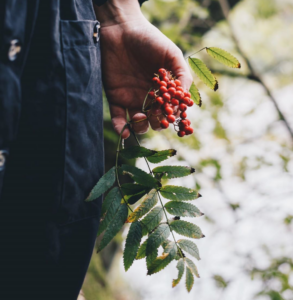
51,146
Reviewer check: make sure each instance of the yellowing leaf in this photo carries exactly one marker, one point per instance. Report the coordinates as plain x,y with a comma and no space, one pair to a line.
195,95
189,279
180,266
204,74
224,57
149,201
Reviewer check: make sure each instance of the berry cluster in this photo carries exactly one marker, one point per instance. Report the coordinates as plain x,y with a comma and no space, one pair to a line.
170,97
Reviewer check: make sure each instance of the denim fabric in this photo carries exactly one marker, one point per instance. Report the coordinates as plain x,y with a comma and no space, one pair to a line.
51,122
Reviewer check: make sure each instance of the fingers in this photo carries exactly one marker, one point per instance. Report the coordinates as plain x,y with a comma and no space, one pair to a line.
139,121
118,115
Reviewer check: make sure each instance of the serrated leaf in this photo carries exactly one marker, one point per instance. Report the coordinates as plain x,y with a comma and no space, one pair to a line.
103,185
195,95
132,243
151,257
141,253
148,202
160,234
114,227
134,198
182,209
130,189
202,71
110,206
152,220
224,57
190,247
135,152
186,229
170,172
170,251
178,193
191,266
180,266
161,155
140,176
189,279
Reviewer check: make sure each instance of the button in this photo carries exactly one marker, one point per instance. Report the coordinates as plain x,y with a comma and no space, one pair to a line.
96,34
14,50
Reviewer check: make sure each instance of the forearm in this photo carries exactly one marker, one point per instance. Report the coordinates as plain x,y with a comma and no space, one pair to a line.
117,11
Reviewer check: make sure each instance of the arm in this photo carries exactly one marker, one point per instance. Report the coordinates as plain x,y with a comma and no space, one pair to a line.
132,51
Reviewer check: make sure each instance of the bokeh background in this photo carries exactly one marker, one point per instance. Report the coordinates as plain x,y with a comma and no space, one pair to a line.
242,152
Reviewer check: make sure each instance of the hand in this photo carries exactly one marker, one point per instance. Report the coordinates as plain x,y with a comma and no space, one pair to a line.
132,51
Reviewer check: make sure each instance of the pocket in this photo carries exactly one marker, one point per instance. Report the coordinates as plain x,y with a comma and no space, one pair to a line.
84,150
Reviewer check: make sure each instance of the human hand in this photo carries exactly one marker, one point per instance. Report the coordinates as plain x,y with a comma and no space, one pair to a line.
132,51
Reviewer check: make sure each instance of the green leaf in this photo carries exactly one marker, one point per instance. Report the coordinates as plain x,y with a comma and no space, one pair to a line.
103,185
202,71
191,266
160,234
152,220
173,171
133,188
186,229
170,251
110,206
180,266
140,176
190,247
189,279
135,152
151,257
141,253
161,155
223,57
149,201
132,243
182,209
195,95
133,199
178,193
114,227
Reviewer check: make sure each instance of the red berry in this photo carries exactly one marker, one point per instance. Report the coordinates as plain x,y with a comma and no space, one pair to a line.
160,100
171,118
166,78
156,80
177,82
181,133
183,115
174,101
188,130
166,104
190,103
164,124
162,72
178,95
171,83
163,90
182,107
172,91
179,88
188,122
186,100
163,83
184,123
169,110
152,94
166,97
187,94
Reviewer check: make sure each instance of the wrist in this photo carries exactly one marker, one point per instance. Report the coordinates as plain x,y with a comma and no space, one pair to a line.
115,12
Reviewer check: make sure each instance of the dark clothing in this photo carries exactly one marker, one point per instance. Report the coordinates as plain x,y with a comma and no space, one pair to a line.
51,146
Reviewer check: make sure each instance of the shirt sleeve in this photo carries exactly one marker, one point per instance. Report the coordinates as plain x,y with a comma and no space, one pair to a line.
101,2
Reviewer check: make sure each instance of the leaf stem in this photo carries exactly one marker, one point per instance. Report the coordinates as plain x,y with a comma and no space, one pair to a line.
195,53
166,216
